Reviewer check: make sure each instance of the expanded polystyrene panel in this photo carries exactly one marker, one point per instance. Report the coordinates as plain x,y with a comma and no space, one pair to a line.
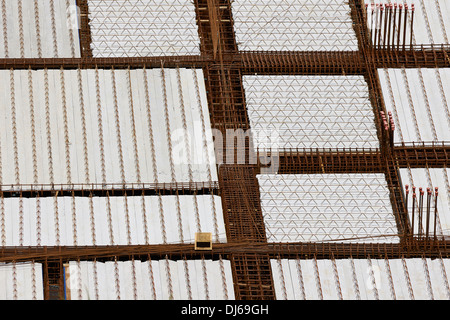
431,24
140,28
310,112
132,220
324,207
293,25
150,280
354,279
421,178
39,29
104,127
21,281
419,102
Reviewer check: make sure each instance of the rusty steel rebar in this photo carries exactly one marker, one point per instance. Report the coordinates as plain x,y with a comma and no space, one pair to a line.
390,6
412,27
427,228
399,27
413,207
405,25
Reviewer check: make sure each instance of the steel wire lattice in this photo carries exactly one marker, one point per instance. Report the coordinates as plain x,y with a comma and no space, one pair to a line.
218,51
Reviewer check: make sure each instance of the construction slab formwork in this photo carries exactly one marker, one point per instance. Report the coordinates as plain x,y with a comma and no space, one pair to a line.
141,28
292,25
327,207
149,280
21,281
361,279
310,112
96,132
418,100
391,22
110,127
39,29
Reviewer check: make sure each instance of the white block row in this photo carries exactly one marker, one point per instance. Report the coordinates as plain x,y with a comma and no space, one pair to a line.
104,127
150,280
293,25
39,29
429,178
419,101
323,207
310,112
114,220
431,23
140,28
361,279
21,281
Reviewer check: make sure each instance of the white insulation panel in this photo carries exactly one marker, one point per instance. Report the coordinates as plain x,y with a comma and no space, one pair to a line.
293,25
419,101
39,29
150,280
133,220
431,21
421,178
21,281
361,279
104,127
327,207
310,112
141,28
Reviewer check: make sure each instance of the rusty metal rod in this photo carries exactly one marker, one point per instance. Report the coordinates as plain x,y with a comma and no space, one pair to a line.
404,27
412,27
407,196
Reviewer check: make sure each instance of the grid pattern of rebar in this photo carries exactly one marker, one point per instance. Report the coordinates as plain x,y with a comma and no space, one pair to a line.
224,66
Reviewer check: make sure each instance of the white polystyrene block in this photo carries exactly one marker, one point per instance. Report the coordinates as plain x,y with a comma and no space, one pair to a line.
144,28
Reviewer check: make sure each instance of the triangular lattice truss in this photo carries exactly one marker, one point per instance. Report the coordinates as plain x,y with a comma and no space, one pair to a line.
142,28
